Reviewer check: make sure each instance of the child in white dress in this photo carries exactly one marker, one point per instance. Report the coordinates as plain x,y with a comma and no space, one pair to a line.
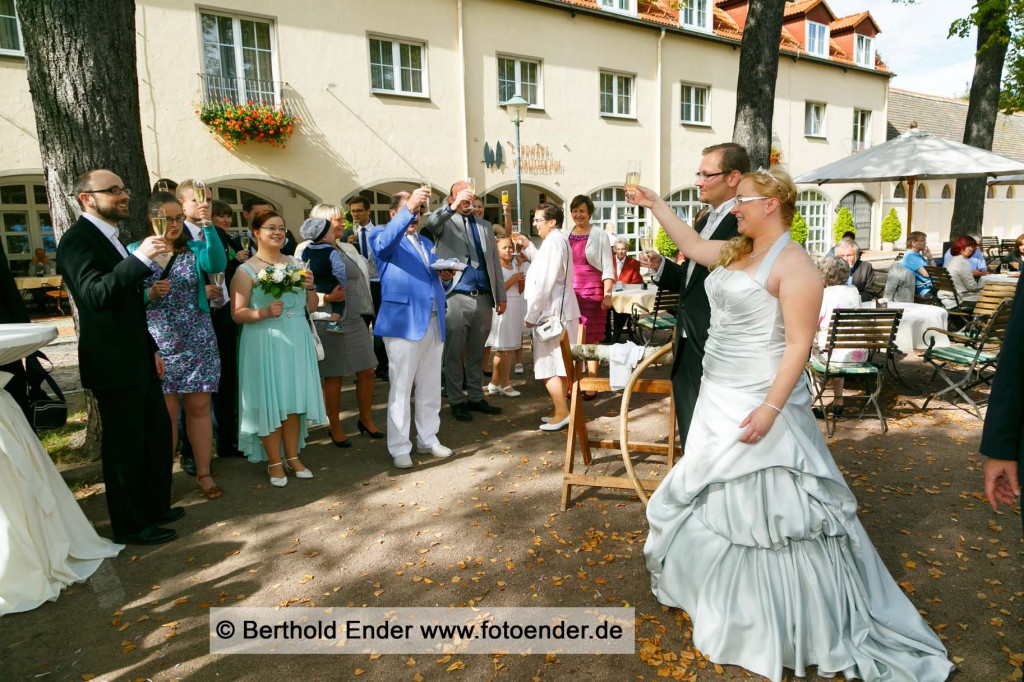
507,330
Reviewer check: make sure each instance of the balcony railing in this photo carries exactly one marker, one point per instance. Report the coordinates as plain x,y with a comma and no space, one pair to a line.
236,90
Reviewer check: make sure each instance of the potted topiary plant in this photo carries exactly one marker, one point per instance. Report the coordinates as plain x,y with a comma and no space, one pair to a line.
798,232
892,230
843,224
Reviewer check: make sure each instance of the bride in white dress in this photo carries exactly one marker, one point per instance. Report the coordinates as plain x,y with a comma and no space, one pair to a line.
755,533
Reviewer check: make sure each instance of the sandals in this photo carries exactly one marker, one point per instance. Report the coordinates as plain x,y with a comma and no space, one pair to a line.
211,493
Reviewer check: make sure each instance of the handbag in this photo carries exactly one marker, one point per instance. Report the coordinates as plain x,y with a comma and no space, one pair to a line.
551,327
44,412
316,339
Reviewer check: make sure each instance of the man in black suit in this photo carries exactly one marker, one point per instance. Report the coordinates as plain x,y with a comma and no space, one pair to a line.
225,400
719,175
1002,439
118,359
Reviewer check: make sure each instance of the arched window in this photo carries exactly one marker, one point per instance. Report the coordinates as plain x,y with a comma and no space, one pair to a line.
685,204
900,192
990,193
947,193
25,223
817,211
610,216
233,197
922,192
1009,191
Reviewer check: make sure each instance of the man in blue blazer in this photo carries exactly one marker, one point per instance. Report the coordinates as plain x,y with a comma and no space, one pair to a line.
411,322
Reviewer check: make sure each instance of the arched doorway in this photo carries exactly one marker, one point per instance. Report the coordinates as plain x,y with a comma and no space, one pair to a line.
292,202
533,196
859,204
379,196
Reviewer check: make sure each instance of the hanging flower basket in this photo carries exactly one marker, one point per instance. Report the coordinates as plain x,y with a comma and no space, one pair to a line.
237,124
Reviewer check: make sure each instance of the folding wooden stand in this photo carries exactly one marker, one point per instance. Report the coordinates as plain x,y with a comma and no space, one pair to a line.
574,359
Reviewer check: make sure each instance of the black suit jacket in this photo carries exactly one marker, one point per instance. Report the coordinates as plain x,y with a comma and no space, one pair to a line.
1003,435
115,349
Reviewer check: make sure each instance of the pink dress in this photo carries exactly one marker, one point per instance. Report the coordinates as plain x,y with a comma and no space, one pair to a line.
586,282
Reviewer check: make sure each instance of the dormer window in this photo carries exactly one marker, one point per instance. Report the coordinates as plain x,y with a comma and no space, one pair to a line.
627,7
817,39
694,14
864,54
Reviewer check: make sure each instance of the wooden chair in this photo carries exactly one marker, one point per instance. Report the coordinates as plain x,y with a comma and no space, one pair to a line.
943,290
974,353
662,318
58,294
871,329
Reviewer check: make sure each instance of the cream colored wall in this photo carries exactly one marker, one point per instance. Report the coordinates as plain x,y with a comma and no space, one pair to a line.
19,146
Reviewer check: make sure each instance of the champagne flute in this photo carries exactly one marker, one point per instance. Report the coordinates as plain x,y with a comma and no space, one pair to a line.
632,181
162,186
217,279
159,222
425,184
646,240
246,241
471,185
200,194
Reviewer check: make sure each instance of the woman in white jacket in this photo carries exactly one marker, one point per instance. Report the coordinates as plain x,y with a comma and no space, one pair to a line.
593,274
967,288
549,293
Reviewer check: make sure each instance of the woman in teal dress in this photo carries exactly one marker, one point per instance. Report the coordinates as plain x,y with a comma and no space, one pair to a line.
279,386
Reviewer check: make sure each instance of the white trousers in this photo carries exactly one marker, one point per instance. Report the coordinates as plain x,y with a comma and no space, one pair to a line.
414,365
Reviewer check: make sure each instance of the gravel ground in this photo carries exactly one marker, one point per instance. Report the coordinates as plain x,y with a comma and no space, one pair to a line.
484,528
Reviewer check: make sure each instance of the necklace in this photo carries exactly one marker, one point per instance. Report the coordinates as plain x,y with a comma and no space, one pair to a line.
269,262
757,255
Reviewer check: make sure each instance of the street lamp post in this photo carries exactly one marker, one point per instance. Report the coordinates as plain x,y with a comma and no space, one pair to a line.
516,108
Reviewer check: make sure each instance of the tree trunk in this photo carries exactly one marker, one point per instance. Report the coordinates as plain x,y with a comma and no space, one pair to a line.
80,58
993,38
755,87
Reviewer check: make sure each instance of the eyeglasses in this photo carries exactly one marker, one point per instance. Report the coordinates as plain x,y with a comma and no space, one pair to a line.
113,191
743,200
176,221
704,177
271,228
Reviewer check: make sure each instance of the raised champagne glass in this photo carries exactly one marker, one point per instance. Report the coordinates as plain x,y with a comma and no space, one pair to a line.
646,235
159,222
246,241
632,182
471,185
425,184
200,194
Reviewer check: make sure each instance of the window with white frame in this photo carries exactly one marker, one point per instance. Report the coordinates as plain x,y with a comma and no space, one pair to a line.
397,67
817,211
694,104
519,76
620,6
694,14
10,29
238,59
25,223
686,204
861,123
610,216
817,39
814,119
864,51
617,95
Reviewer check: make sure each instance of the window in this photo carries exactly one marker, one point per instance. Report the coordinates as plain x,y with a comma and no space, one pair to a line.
616,95
900,192
519,76
861,131
620,6
814,119
694,14
815,209
25,223
685,204
610,216
10,29
410,78
947,193
922,192
238,59
864,53
817,39
990,193
1009,192
694,107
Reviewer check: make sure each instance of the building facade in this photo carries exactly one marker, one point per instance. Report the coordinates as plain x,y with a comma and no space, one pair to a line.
392,93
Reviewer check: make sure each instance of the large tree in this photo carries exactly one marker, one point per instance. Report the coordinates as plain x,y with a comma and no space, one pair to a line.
80,57
755,86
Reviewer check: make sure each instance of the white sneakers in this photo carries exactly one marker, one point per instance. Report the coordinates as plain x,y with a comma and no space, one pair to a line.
506,391
403,462
437,450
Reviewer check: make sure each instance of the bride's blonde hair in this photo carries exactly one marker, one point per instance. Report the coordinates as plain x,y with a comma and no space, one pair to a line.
775,183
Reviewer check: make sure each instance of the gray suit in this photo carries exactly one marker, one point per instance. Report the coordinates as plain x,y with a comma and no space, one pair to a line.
468,318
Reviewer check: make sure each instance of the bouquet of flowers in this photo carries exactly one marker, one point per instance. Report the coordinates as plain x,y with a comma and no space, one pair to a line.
278,280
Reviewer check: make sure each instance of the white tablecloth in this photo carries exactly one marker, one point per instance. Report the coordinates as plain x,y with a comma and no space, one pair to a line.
998,278
622,301
37,282
916,318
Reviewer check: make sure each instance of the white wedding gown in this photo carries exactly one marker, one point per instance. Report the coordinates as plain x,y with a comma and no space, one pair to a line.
46,543
760,544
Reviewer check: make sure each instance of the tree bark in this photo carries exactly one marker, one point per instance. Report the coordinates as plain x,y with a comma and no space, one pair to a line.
80,58
755,86
993,38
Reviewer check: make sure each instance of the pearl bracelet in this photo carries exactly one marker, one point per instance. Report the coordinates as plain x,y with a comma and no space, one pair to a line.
777,409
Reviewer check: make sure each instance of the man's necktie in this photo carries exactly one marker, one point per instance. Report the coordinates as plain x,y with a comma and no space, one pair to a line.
364,249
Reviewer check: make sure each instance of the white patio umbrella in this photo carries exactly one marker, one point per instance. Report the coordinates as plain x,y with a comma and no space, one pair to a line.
914,155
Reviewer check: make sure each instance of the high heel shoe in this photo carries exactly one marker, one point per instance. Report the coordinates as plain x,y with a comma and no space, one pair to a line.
277,482
211,493
341,443
363,428
305,473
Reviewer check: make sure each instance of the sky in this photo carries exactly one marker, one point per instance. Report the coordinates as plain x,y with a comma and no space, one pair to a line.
914,45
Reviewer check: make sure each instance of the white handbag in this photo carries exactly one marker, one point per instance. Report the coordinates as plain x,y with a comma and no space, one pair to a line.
316,340
551,327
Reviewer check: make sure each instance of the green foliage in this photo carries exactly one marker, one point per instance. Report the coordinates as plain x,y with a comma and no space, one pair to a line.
664,244
892,228
843,223
798,232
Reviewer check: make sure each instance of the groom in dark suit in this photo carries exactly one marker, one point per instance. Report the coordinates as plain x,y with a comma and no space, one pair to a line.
719,175
118,359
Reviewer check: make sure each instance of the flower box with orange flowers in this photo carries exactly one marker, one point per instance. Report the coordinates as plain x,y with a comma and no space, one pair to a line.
237,124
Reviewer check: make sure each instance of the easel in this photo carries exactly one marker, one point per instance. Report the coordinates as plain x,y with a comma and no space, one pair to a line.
574,365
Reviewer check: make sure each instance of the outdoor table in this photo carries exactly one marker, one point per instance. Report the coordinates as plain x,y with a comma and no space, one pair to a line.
917,317
622,301
1012,278
37,282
